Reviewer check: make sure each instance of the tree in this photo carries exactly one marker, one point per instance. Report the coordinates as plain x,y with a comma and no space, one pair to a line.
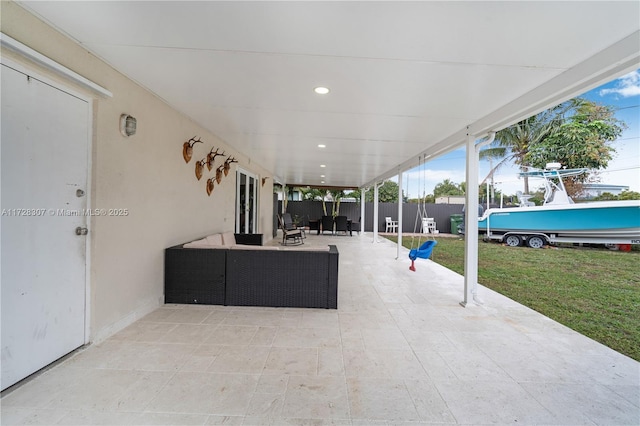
605,196
336,195
447,187
514,142
629,195
315,194
575,133
624,195
427,199
583,140
387,193
309,193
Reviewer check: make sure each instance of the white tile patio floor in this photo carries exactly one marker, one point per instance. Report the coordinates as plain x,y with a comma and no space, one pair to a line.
399,350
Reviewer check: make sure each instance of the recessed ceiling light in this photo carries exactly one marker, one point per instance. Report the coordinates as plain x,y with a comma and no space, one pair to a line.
322,146
321,176
322,165
321,90
321,181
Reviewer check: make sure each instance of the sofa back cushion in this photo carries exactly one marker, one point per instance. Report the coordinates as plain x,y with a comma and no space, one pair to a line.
215,239
197,244
228,239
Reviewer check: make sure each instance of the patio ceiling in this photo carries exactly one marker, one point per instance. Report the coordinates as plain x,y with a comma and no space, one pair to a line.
405,79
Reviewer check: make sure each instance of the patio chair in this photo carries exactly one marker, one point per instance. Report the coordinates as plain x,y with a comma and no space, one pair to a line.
428,225
290,225
288,222
355,226
289,234
341,224
313,224
327,224
391,225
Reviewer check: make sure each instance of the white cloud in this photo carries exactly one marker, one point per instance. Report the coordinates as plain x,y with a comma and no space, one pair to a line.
626,86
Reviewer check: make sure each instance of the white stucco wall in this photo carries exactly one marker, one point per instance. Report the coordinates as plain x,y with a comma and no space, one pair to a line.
145,174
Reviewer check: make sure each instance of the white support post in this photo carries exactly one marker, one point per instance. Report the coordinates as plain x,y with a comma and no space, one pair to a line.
471,224
283,206
375,212
362,209
399,245
471,220
488,195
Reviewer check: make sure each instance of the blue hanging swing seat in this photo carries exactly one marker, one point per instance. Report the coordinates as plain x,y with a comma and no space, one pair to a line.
423,252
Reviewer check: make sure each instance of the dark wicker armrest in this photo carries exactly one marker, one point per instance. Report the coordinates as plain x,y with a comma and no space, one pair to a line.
195,275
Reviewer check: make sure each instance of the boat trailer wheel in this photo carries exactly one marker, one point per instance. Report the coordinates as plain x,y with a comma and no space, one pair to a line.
535,242
513,240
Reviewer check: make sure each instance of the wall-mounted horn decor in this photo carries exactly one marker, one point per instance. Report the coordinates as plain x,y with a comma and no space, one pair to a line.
187,148
219,173
200,167
209,162
227,164
212,156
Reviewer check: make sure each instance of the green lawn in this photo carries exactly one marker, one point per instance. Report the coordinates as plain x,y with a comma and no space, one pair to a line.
593,291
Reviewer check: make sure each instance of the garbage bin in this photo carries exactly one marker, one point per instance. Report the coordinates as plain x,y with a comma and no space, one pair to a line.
456,221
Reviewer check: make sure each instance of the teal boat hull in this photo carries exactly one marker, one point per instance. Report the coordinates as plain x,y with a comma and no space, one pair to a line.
616,222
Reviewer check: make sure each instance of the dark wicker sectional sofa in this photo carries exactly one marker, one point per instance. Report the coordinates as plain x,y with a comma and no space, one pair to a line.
252,276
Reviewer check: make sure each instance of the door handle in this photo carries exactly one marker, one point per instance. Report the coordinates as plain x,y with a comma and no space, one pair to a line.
81,231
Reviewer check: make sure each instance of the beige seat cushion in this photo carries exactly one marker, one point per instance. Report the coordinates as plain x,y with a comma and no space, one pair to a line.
305,248
249,247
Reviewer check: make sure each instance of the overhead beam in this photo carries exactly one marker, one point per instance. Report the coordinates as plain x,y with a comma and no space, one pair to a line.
616,60
38,58
306,185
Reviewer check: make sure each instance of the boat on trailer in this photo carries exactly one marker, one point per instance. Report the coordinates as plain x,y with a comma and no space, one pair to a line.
559,219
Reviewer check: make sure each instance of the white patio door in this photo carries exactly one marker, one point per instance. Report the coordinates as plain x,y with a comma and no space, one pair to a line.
246,202
44,161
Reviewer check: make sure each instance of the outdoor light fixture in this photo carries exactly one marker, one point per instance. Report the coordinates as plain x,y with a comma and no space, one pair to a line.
321,90
128,125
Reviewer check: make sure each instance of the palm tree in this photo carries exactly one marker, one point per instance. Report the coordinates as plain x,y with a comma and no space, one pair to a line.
513,142
336,196
309,193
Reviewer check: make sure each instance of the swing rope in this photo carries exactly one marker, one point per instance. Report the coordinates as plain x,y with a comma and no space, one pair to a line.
415,224
424,249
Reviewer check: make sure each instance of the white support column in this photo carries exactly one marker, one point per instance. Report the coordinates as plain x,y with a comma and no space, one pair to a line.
471,220
375,212
399,245
362,209
471,225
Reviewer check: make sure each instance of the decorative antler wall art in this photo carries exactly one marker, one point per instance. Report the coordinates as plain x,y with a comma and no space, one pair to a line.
187,148
209,186
219,173
200,167
227,164
212,156
209,160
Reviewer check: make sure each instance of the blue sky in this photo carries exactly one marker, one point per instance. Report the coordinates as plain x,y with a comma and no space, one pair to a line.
623,94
